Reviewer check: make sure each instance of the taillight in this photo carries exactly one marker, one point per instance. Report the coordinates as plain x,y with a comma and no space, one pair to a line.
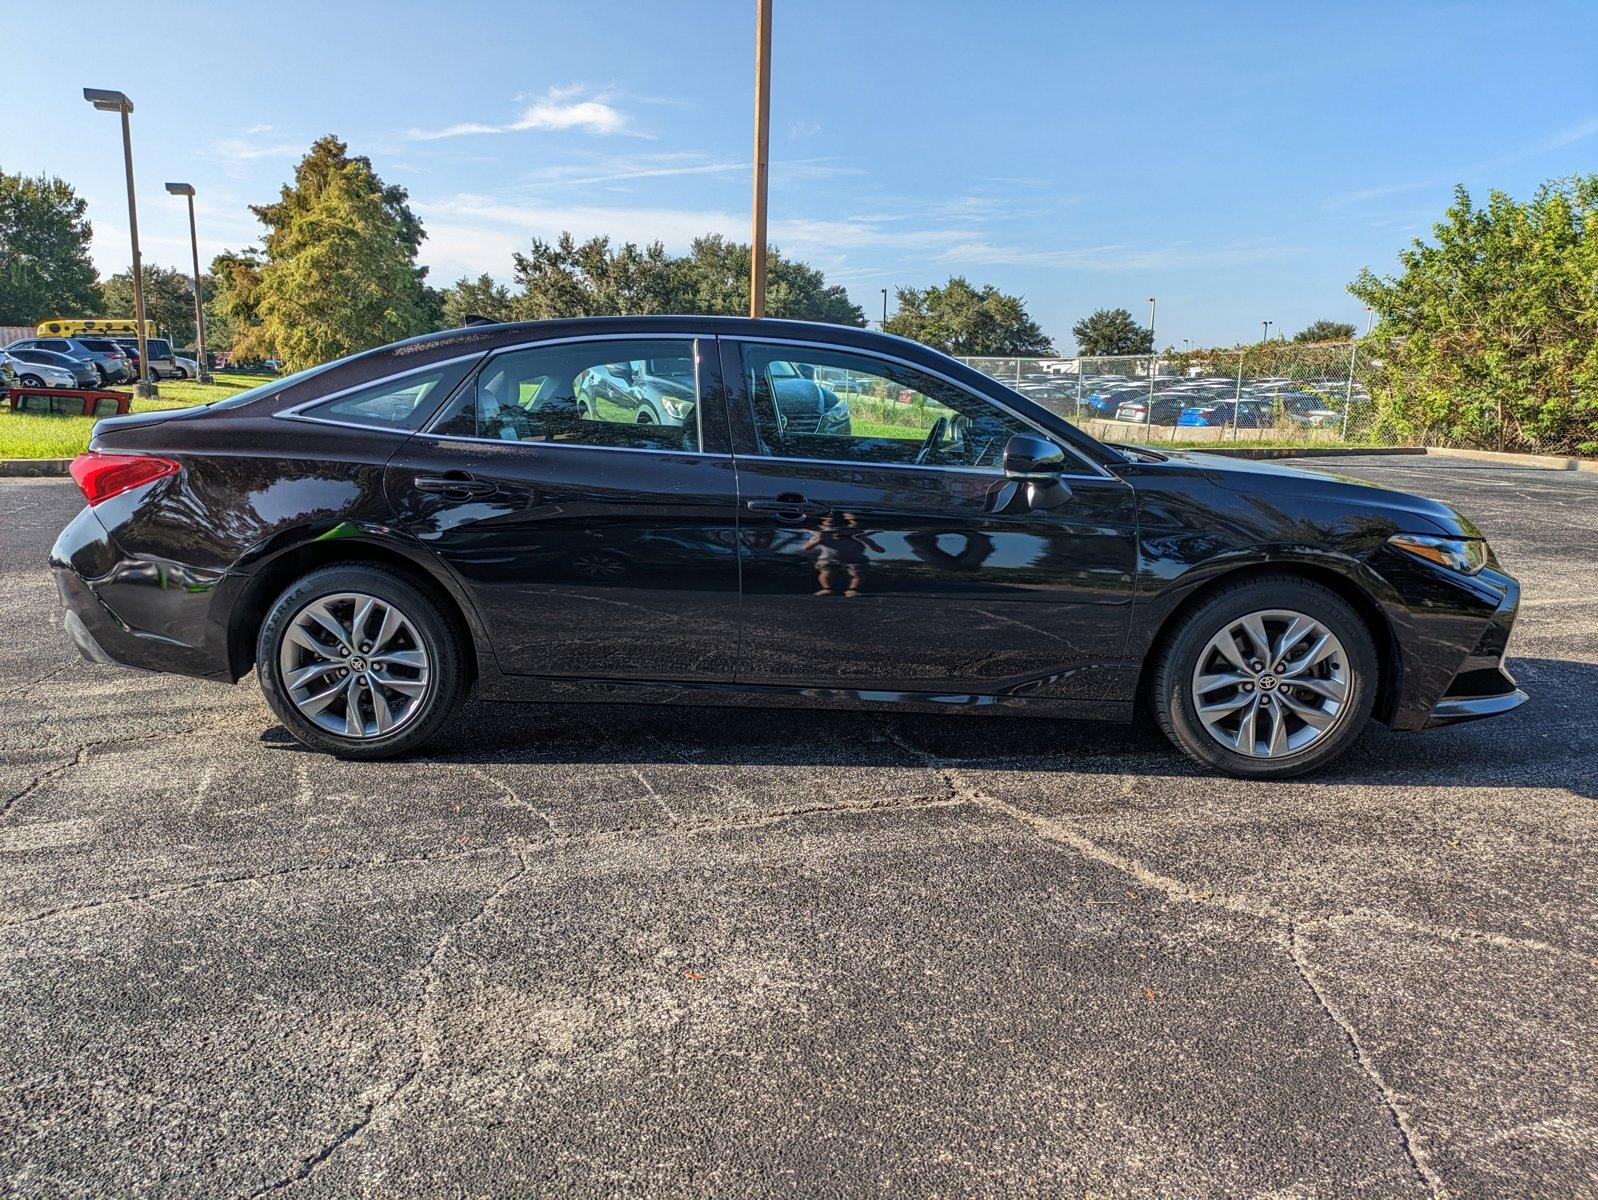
101,476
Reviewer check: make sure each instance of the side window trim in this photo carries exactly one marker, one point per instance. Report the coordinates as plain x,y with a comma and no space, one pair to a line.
747,434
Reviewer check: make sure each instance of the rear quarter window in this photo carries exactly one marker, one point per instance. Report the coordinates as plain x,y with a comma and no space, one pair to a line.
400,402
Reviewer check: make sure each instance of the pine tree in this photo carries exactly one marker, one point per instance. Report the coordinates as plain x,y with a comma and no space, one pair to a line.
341,273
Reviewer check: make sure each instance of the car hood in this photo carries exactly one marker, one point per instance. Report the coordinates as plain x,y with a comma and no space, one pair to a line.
1265,477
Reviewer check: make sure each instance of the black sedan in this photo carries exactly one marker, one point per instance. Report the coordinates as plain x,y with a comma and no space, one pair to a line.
380,535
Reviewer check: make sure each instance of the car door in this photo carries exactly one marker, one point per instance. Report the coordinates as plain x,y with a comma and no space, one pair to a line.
594,546
878,557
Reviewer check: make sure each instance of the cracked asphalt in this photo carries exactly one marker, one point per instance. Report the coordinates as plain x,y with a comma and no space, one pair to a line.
615,950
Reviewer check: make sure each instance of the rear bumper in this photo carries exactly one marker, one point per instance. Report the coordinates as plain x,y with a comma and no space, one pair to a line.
134,612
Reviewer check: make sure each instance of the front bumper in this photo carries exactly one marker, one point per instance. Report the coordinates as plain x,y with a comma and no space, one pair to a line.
1482,686
1451,633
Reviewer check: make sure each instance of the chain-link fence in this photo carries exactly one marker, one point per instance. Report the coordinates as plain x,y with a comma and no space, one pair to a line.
1276,392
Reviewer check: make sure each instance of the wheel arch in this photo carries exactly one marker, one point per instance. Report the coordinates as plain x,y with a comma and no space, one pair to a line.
1383,634
273,576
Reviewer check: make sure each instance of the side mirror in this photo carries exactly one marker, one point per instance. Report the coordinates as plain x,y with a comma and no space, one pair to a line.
1027,456
1032,468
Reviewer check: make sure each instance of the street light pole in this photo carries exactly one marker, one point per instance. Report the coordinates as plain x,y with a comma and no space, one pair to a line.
109,101
757,255
1266,335
884,308
204,371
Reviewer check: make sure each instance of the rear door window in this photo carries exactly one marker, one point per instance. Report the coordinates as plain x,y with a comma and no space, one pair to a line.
641,395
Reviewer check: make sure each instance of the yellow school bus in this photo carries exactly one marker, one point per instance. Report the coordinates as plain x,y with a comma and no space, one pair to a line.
94,327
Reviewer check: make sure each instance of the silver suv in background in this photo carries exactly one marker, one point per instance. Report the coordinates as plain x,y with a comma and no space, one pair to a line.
108,367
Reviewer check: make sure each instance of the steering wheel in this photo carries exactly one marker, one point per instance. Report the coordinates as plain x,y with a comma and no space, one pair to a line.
933,439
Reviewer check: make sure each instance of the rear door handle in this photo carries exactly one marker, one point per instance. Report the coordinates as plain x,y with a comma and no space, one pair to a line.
454,484
789,507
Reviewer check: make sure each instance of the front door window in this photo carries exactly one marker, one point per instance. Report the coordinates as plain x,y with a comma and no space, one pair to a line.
841,407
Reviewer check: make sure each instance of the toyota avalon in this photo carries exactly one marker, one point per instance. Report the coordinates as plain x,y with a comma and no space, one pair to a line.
377,537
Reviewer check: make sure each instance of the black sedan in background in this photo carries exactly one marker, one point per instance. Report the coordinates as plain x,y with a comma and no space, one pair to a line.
382,534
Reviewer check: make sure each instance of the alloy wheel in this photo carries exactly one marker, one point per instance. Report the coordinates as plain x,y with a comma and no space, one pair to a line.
353,664
1271,683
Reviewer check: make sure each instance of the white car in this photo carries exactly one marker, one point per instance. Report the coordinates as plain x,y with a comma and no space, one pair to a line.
187,368
33,374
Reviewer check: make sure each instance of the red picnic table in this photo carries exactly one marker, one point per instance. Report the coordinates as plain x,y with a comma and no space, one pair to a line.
89,398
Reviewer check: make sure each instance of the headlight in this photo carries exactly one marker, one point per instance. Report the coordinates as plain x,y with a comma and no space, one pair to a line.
676,407
1465,555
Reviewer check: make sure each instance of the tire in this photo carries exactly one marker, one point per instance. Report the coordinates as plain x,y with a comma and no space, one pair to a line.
417,697
181,373
30,381
1304,717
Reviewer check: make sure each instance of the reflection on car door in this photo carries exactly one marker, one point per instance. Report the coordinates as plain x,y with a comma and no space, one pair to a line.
900,578
593,548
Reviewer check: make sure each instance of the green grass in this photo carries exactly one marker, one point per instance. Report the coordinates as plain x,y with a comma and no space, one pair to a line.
40,434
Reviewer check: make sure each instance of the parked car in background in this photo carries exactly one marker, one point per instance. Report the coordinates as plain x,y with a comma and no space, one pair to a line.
163,363
804,404
114,364
1239,414
8,372
1162,410
130,348
645,391
188,368
46,368
104,366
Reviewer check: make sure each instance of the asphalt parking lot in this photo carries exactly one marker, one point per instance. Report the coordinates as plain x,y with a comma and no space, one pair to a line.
606,950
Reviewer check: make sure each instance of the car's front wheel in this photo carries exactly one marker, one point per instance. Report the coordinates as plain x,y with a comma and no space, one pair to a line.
357,661
1266,678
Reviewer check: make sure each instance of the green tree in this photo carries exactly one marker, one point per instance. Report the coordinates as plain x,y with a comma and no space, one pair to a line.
340,272
168,300
959,319
714,277
1489,333
480,297
567,279
232,315
45,270
1112,331
1325,331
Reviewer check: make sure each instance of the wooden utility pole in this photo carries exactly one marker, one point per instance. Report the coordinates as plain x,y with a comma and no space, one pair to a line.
757,248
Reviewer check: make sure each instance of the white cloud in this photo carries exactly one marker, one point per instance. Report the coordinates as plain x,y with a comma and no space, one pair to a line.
803,129
237,154
559,108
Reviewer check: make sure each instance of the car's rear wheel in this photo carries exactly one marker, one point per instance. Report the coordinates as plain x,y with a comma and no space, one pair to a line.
357,661
1267,678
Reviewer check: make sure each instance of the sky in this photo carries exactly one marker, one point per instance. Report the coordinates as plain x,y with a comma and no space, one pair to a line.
1239,161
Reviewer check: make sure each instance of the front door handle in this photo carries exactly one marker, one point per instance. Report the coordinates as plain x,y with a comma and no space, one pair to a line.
455,484
790,506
